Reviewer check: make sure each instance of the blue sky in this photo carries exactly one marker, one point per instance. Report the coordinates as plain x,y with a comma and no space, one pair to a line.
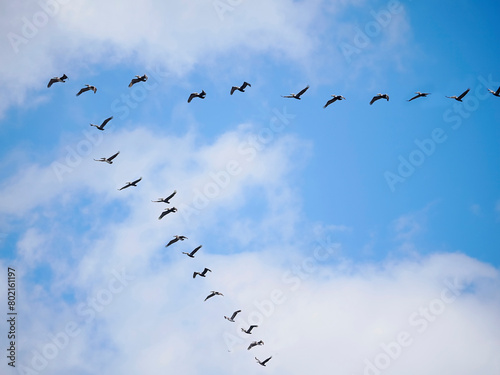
345,223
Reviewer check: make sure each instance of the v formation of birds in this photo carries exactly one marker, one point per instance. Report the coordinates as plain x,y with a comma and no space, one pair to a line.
169,210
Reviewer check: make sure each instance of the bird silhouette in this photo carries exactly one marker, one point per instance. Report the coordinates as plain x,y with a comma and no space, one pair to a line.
57,79
143,78
419,95
460,97
167,199
249,330
240,88
101,127
496,93
296,96
202,274
378,97
87,88
231,319
176,238
191,254
166,212
129,184
200,95
108,160
255,343
333,100
263,363
213,293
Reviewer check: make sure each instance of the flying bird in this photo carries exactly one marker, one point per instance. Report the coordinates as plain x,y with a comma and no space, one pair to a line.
379,96
143,78
101,127
167,199
249,330
263,363
240,88
200,95
57,79
231,319
191,254
87,88
108,160
203,273
176,238
166,212
213,293
255,343
419,95
496,93
128,184
460,97
333,100
296,96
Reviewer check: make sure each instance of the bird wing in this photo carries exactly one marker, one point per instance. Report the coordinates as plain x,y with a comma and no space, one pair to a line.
374,99
132,82
329,102
171,195
302,91
210,295
136,181
193,95
245,84
126,186
415,97
106,121
265,361
287,96
82,91
498,91
235,313
162,215
113,156
194,274
463,94
233,89
206,270
171,242
52,80
195,250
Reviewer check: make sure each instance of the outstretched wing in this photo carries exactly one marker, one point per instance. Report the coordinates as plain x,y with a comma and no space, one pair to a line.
329,102
195,250
82,90
106,121
245,84
302,91
193,95
113,156
52,80
463,94
233,89
171,195
235,313
498,91
267,360
171,242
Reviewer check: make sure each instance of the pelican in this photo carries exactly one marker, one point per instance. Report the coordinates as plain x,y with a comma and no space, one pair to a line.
249,330
231,319
496,93
333,100
101,127
379,96
419,95
200,95
214,293
143,78
255,343
241,88
460,97
87,88
57,79
176,238
191,254
128,184
108,160
296,96
203,273
263,363
166,212
167,199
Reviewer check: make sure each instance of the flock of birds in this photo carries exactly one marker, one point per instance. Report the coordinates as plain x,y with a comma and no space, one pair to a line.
169,210
167,199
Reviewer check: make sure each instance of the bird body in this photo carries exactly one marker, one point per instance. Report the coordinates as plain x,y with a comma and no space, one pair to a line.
87,88
133,183
249,330
202,274
378,97
296,96
213,293
166,212
137,79
255,343
240,88
167,199
108,160
419,95
231,319
333,100
460,97
263,363
496,93
191,254
176,238
101,127
57,79
200,95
